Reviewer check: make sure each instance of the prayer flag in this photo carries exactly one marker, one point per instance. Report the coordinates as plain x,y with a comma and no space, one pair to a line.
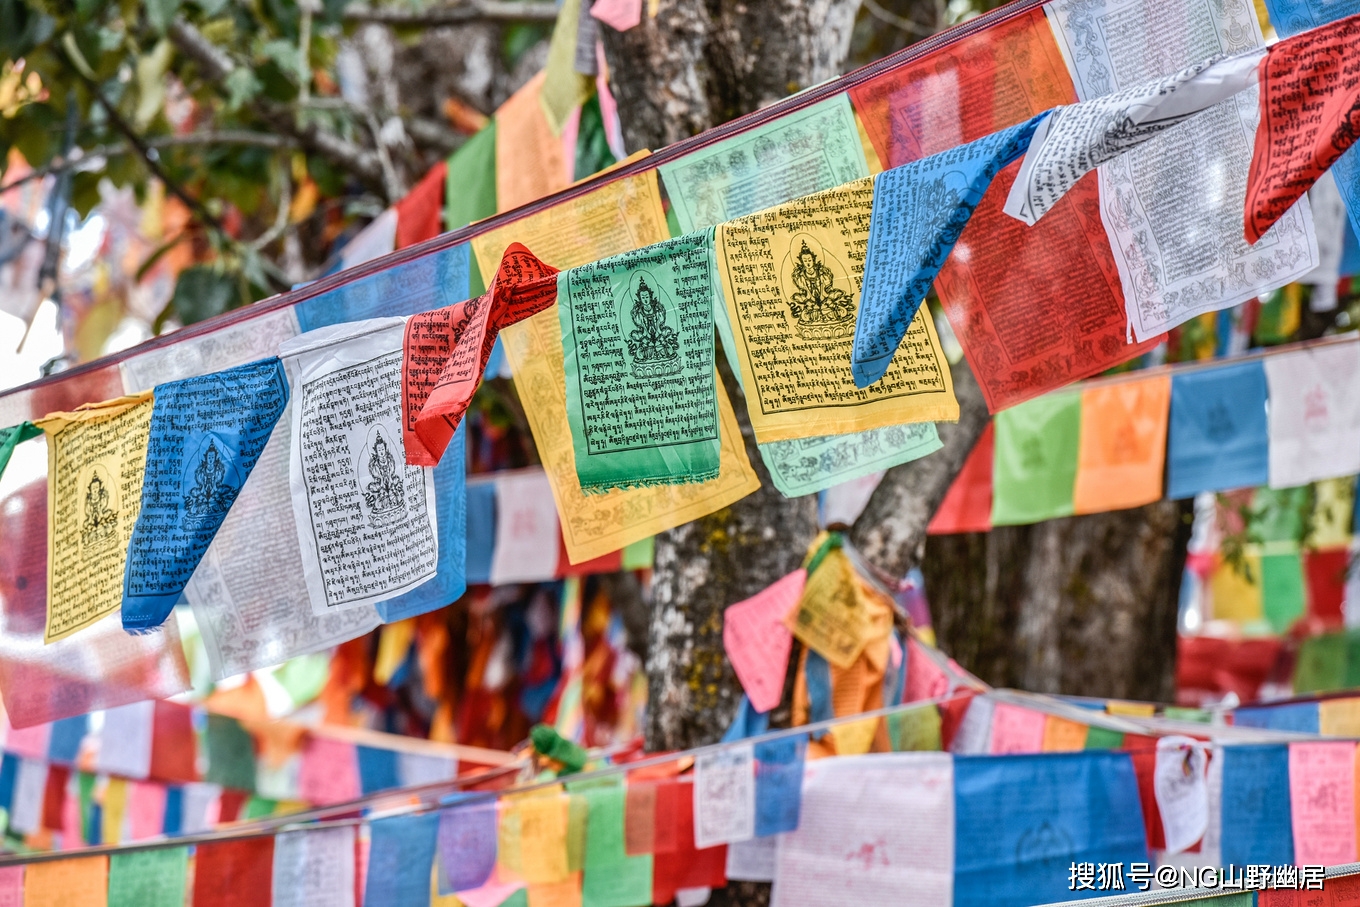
1310,115
919,211
1256,805
1123,445
676,863
1016,729
1322,801
967,506
637,332
420,213
611,878
375,240
467,845
779,784
234,873
366,521
400,854
148,878
329,773
471,184
206,435
77,882
12,437
1282,593
1035,466
95,460
724,796
791,281
1019,817
1297,716
428,282
757,642
530,161
1218,436
1235,589
314,867
526,529
1326,572
1314,414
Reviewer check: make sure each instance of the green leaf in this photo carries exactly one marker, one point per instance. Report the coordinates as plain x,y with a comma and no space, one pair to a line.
151,69
242,86
203,291
160,13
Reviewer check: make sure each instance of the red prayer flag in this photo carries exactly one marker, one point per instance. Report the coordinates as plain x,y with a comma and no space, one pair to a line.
1326,574
174,744
54,797
234,873
676,863
420,215
1310,114
967,506
446,350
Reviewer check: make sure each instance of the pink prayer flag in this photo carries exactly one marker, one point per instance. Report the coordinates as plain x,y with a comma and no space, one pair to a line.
489,895
925,679
1017,730
1322,799
526,529
72,828
329,772
619,15
758,643
29,742
12,886
146,810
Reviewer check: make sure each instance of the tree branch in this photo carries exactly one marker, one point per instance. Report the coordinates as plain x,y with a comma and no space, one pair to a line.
468,11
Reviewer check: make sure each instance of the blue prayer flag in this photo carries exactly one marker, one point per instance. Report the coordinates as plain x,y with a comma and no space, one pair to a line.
377,769
173,823
747,722
779,784
1219,438
920,209
1021,821
429,282
400,856
207,432
817,674
63,746
1256,809
481,530
1295,716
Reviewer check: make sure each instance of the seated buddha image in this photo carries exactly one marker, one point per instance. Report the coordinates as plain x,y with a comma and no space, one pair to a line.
210,494
653,345
822,310
100,524
384,491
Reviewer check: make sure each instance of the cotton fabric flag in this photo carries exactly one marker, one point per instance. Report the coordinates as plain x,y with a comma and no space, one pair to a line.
1019,816
401,851
791,281
234,873
77,882
611,877
1314,414
757,642
1219,437
1256,801
1310,115
314,867
779,784
1322,801
618,216
467,845
1123,445
1016,729
366,521
919,211
724,796
1036,459
1077,138
96,456
429,282
420,213
471,185
675,863
148,878
967,505
1282,589
377,239
530,161
445,351
1181,789
637,331
12,437
526,529
206,435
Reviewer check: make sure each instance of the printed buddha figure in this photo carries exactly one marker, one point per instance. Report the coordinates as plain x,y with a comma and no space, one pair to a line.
822,308
100,519
208,495
654,346
384,492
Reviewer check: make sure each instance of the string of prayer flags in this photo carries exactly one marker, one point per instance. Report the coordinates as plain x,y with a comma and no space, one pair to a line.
676,864
12,437
1035,470
1077,138
791,281
779,766
96,456
637,331
1314,414
1310,115
1322,802
892,814
1219,436
420,213
1018,816
758,642
471,187
1123,445
1016,729
805,151
445,351
206,435
429,282
617,217
919,211
365,520
400,854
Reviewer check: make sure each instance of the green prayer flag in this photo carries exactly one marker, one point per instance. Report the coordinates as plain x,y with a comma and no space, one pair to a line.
231,754
640,555
1100,738
148,878
303,677
915,729
258,807
577,811
1035,463
1322,664
592,144
637,333
1282,595
564,89
1279,514
1352,679
1203,716
611,877
517,898
470,189
12,437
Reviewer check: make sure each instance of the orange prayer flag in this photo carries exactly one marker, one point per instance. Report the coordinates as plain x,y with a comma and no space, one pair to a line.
530,162
81,882
1063,736
1123,444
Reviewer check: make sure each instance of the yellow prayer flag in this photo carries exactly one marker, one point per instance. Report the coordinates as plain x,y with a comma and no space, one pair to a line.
112,810
854,738
615,218
95,460
437,899
1339,717
393,644
1132,709
1123,445
543,838
1332,511
831,619
791,277
870,152
530,160
79,882
1062,735
1235,596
